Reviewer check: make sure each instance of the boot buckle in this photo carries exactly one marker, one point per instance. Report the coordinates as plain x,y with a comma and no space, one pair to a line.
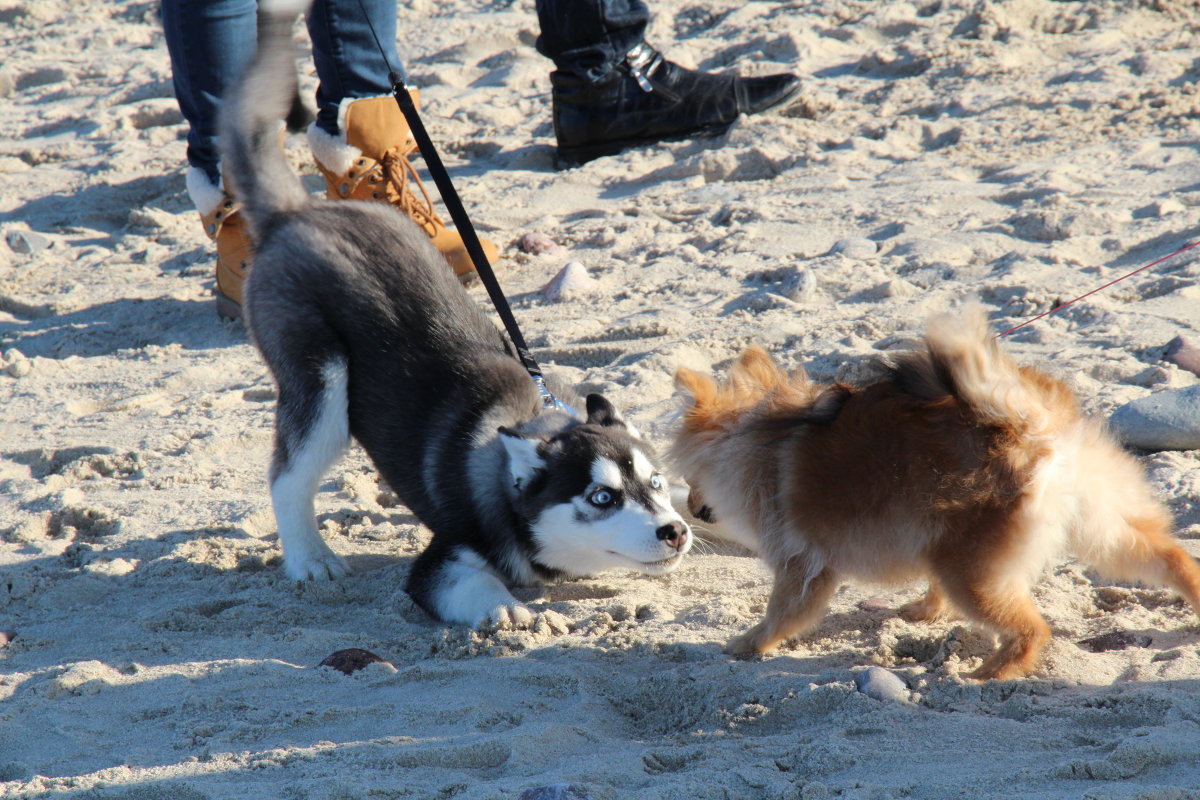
639,62
641,79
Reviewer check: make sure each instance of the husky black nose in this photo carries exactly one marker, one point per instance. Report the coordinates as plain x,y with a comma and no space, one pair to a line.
674,534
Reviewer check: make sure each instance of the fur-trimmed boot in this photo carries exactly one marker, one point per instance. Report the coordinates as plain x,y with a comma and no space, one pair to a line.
369,161
223,223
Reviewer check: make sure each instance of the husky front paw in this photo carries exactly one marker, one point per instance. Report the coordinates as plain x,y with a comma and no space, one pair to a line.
514,615
464,589
316,566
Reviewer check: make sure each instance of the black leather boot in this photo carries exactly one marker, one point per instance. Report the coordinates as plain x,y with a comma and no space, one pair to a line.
649,99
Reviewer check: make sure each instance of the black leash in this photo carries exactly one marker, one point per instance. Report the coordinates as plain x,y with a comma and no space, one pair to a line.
462,222
466,230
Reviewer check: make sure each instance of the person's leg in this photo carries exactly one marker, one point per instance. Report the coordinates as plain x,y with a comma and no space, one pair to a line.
354,53
210,43
590,37
611,90
360,139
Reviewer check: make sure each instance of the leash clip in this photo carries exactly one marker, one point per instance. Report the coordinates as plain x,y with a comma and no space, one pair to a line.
549,401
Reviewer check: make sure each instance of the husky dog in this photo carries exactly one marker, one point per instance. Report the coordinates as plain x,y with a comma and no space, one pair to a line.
959,466
369,335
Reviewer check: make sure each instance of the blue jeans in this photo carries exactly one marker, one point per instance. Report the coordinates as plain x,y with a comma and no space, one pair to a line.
211,41
588,38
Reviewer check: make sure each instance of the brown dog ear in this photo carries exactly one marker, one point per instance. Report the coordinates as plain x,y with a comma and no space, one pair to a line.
756,372
701,389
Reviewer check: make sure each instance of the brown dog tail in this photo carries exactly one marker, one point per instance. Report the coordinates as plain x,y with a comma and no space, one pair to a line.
963,359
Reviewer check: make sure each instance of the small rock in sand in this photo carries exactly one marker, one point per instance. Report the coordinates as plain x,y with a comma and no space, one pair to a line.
1184,353
538,244
15,364
1116,640
881,684
800,286
875,603
351,660
1167,420
19,368
26,242
570,282
856,248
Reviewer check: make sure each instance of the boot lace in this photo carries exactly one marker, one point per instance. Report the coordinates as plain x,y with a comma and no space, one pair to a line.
399,177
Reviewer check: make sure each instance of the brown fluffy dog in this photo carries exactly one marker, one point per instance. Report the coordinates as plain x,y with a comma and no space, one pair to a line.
958,466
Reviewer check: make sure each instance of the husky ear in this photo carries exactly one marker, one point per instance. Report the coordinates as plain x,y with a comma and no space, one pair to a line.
524,456
602,412
701,389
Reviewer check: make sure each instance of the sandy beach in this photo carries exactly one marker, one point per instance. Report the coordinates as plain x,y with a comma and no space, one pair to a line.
1017,153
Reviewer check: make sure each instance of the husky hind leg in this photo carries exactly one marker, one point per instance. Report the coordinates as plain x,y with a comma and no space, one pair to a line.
311,432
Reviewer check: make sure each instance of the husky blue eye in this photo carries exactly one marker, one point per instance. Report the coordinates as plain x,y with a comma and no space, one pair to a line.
601,498
656,481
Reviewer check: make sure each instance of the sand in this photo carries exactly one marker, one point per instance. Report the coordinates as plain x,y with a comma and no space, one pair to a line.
1017,153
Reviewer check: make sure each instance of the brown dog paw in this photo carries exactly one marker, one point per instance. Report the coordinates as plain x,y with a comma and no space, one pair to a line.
746,644
922,611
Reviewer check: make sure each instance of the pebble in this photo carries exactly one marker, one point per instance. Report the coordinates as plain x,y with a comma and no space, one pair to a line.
875,603
856,248
800,286
6,637
570,282
539,244
881,684
19,368
1116,640
26,242
558,791
350,660
1184,353
1166,420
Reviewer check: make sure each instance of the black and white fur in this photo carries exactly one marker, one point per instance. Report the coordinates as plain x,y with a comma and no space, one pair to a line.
369,335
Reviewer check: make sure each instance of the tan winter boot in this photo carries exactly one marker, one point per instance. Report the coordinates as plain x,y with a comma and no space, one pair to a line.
370,162
223,223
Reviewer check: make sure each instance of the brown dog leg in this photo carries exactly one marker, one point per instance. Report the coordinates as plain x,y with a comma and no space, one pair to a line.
1157,558
1009,610
933,606
797,603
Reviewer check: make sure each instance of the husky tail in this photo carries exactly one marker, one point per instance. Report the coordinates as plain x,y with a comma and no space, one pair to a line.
252,115
963,359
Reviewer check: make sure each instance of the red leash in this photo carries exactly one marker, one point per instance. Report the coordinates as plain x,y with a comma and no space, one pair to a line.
1183,249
